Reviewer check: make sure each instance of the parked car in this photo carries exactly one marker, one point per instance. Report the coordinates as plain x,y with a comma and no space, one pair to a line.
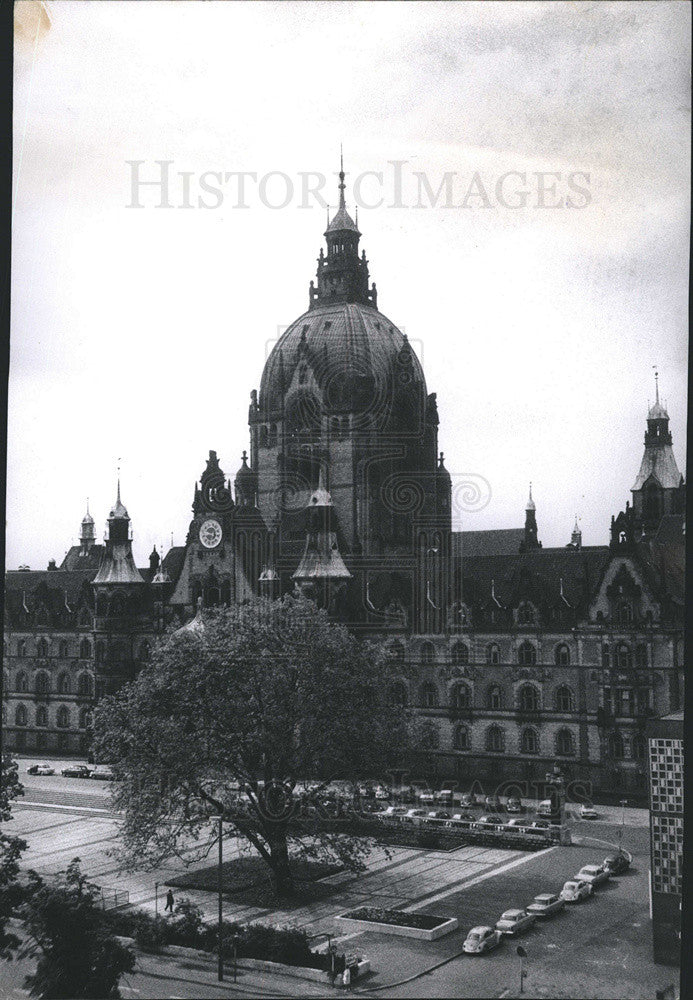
426,799
546,904
391,811
575,890
103,773
443,795
462,817
40,769
616,864
514,805
545,807
490,820
595,874
517,822
539,824
587,811
514,922
438,814
414,813
494,804
382,793
481,939
468,799
76,771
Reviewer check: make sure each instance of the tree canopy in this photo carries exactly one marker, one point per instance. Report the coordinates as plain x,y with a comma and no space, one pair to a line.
266,695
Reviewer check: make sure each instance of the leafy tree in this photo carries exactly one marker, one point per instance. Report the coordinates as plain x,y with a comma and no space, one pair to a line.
78,955
266,694
11,849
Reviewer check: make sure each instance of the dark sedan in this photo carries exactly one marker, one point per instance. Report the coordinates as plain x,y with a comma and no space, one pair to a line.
76,771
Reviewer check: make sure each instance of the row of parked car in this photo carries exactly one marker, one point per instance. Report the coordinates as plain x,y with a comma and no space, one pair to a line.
514,922
101,772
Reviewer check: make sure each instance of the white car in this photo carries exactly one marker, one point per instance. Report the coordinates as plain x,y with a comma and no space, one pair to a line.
514,922
481,939
546,904
576,890
594,874
414,813
45,769
382,793
393,811
588,811
438,814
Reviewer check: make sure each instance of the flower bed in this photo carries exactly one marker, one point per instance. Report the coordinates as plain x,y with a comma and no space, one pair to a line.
424,926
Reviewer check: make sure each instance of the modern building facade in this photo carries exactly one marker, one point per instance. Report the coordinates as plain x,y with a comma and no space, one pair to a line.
513,655
665,765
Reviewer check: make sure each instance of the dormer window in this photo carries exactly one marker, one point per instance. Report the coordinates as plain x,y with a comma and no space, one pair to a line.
526,614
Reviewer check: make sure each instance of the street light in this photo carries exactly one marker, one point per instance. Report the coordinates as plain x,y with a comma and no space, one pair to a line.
156,900
623,803
235,955
523,954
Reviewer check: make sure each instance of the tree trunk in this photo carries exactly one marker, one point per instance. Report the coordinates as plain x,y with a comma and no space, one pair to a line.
279,863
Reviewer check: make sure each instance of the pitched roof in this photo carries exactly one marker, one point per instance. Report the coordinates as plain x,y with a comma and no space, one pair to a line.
118,566
75,558
659,462
65,583
172,563
496,542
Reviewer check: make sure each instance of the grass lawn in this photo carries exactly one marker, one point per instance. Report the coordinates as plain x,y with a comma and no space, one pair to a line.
247,880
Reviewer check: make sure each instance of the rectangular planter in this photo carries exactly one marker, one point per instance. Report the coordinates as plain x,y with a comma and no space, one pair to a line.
446,927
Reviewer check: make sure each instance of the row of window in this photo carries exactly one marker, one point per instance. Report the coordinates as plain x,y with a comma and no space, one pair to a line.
42,683
118,651
495,740
528,698
621,656
62,716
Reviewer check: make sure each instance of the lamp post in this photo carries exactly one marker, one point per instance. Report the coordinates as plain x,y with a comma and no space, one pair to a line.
330,949
623,804
220,971
156,900
235,956
523,954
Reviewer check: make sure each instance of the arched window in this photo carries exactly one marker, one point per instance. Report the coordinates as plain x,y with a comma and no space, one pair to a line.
460,653
84,718
145,652
639,747
21,682
623,660
495,739
272,436
263,436
526,614
460,696
427,652
492,653
21,647
41,683
565,744
651,504
528,698
605,657
64,684
20,715
397,694
562,655
564,699
226,593
63,717
85,686
530,741
100,652
396,651
85,649
42,615
641,656
84,617
494,697
42,716
624,615
527,655
428,696
42,649
64,649
616,746
460,739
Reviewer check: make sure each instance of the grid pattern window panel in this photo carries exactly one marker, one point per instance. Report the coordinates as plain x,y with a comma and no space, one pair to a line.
666,775
667,853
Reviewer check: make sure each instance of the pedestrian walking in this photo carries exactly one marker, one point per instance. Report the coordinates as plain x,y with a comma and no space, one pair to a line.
169,901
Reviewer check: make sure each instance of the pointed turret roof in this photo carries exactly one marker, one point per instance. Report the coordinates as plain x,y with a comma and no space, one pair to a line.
530,502
342,220
87,519
118,511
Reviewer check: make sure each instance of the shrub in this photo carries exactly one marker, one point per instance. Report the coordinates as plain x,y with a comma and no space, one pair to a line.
186,924
428,839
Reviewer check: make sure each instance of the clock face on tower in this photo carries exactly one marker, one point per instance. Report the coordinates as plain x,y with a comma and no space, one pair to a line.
210,533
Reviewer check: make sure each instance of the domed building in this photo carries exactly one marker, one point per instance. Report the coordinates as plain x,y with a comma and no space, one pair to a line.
514,655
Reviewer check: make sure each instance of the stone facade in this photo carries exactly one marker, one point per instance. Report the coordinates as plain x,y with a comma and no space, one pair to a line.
513,655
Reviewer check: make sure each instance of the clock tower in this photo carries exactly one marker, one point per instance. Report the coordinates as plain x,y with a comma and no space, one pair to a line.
224,547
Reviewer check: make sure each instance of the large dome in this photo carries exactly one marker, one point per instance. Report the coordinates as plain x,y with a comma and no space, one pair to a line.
350,353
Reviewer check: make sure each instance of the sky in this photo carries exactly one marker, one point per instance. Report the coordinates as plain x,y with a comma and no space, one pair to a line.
137,334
